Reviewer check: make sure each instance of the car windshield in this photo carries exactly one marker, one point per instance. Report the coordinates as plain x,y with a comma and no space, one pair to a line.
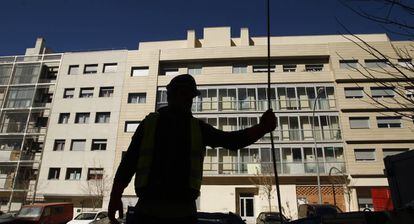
272,217
30,212
85,216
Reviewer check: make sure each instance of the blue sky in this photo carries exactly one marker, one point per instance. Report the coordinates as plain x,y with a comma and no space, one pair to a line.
74,25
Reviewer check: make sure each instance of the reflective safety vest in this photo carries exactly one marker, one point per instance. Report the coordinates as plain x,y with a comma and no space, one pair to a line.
147,147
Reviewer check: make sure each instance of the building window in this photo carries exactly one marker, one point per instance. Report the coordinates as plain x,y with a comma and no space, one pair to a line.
5,73
20,97
102,117
95,173
82,118
389,122
364,155
354,92
137,97
90,69
263,68
289,68
239,69
139,71
86,92
63,118
26,73
110,68
314,68
106,91
59,145
376,63
53,174
382,92
359,122
392,152
194,69
348,64
98,144
406,63
131,126
73,173
68,93
78,145
170,71
73,70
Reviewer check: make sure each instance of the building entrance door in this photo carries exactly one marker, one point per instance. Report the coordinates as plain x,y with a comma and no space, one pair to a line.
247,207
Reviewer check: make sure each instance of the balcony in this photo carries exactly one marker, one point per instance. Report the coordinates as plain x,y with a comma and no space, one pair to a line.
266,168
305,135
260,105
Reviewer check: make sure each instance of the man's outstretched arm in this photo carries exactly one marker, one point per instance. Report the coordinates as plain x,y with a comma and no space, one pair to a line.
234,140
124,174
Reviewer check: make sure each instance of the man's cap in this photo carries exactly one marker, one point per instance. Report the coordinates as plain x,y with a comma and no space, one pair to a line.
184,81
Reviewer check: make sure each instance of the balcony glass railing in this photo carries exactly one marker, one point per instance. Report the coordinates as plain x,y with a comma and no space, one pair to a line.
260,105
305,135
264,168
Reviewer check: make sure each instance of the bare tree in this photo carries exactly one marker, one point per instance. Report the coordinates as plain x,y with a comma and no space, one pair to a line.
97,187
264,181
395,69
338,178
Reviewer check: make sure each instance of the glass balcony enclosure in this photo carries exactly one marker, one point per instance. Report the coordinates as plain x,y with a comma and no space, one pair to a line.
257,160
255,99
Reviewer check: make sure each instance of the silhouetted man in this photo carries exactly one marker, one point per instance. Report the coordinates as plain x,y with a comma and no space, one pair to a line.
166,155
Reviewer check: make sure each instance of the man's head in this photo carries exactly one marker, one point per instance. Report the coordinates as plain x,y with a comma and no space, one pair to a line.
181,91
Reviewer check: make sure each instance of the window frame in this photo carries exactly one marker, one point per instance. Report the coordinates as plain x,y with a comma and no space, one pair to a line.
99,144
88,95
100,176
75,169
65,94
111,65
138,96
373,150
144,71
78,140
62,117
107,118
106,88
73,67
359,118
85,120
129,123
59,145
382,124
88,66
361,89
56,175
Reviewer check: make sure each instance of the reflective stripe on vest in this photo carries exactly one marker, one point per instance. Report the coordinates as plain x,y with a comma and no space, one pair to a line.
147,146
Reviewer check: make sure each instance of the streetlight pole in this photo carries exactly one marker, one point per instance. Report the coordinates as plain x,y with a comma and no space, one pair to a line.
318,175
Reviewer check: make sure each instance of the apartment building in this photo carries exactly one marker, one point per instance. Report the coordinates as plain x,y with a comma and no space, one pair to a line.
27,87
327,121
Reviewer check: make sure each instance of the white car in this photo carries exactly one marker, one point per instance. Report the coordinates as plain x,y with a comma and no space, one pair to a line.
88,217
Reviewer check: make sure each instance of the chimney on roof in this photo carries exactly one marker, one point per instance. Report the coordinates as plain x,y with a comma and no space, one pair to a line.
244,37
191,39
39,48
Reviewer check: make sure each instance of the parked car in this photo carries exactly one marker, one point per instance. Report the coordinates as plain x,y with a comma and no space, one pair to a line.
89,217
270,218
6,218
317,210
44,213
218,218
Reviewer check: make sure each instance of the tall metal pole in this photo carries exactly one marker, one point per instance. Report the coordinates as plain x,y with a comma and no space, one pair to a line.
279,203
318,175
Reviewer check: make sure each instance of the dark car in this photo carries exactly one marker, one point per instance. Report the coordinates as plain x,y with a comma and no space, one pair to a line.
270,218
317,210
218,218
6,218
